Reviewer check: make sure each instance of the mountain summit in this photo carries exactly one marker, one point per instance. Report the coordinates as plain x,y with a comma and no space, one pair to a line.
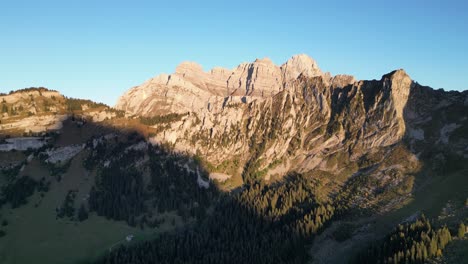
260,115
192,89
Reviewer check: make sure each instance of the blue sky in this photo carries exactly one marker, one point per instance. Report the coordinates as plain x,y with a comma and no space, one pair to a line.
99,49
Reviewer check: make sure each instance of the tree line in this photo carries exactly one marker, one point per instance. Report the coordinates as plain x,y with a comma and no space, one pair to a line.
409,243
159,119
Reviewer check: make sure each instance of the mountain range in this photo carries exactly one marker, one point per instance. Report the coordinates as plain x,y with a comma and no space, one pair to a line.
224,166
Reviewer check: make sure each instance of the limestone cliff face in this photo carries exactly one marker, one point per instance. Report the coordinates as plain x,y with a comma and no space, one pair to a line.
190,89
270,119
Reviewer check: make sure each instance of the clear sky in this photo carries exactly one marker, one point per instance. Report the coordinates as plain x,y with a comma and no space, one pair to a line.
98,49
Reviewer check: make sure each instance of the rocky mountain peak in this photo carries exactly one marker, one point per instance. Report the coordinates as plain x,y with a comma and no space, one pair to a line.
400,83
188,67
300,64
190,88
396,74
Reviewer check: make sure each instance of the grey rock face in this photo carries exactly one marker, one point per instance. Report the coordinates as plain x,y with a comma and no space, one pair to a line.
190,89
276,119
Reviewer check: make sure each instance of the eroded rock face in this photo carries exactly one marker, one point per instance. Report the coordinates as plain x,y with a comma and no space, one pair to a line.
35,124
270,119
301,124
300,64
190,89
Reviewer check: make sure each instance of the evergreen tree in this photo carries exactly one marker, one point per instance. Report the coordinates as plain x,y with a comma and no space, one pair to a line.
242,228
409,243
461,230
82,213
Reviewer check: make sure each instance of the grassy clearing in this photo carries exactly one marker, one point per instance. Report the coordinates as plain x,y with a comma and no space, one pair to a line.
11,157
34,233
232,183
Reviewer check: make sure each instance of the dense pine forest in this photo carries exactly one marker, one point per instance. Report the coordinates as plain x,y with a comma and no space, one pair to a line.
409,243
259,224
17,191
124,191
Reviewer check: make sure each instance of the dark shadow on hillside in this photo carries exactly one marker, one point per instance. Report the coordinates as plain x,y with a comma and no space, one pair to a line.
441,177
253,224
440,153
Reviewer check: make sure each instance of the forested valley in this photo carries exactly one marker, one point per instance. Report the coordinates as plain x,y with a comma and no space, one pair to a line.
257,224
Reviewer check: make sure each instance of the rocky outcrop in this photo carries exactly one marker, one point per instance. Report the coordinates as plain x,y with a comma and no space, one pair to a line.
300,65
38,110
270,119
190,89
302,126
34,124
28,95
260,120
61,154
